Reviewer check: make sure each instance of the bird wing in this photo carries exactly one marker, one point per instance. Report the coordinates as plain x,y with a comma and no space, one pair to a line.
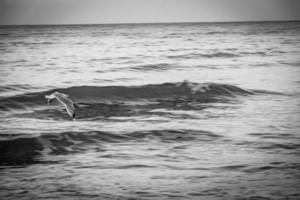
70,109
68,103
65,95
51,96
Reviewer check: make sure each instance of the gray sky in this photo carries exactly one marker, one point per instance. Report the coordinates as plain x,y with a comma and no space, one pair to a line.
140,11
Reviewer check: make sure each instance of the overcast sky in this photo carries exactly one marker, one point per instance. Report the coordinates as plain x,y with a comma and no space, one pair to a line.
141,11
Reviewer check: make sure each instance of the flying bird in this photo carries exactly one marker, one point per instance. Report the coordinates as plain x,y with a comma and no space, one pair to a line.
63,99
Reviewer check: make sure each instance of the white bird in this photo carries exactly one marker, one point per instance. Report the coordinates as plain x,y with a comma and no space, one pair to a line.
196,87
63,99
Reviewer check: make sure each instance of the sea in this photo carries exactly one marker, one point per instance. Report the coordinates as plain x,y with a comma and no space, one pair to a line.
163,111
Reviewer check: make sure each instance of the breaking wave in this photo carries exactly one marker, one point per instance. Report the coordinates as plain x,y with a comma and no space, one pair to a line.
25,149
184,91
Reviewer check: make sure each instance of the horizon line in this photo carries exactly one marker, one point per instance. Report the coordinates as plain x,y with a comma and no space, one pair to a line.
139,23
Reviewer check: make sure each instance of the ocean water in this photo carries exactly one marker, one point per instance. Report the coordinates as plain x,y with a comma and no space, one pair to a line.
164,111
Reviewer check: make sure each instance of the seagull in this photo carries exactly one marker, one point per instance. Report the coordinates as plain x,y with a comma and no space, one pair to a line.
195,87
63,99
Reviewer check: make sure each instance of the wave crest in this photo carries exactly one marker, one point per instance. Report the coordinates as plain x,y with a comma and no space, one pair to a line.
22,149
200,92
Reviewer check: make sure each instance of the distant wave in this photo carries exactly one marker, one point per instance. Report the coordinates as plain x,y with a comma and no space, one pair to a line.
207,55
203,93
153,67
269,92
14,87
231,53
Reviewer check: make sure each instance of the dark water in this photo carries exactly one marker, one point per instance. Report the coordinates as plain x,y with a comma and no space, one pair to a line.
164,111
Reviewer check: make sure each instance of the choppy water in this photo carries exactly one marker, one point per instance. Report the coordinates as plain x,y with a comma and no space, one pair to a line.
165,111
